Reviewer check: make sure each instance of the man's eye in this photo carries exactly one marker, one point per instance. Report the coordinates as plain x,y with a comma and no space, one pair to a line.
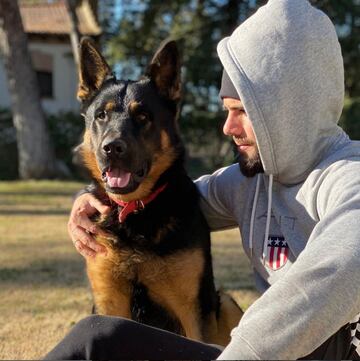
240,111
101,114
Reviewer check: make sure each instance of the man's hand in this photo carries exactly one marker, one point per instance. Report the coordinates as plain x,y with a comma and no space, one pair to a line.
81,229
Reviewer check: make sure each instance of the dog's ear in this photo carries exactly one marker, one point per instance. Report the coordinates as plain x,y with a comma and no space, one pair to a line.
164,70
93,70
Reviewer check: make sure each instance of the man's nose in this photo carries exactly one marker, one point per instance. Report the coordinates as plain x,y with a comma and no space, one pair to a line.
232,126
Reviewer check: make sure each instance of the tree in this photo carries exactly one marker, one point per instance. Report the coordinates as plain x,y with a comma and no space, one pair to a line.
106,15
36,156
198,25
345,14
74,29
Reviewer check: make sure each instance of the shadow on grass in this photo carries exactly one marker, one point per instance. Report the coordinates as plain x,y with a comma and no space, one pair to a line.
69,272
38,212
40,193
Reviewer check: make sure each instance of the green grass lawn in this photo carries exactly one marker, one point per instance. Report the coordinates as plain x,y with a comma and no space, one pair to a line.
43,286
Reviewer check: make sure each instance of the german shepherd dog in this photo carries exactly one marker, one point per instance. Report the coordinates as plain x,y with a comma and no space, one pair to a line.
158,267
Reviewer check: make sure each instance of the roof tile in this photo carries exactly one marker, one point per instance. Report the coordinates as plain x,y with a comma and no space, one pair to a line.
41,17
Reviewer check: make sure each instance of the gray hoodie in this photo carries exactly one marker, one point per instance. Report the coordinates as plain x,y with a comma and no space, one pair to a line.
300,220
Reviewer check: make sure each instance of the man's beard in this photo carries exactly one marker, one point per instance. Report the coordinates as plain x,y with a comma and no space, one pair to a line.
249,167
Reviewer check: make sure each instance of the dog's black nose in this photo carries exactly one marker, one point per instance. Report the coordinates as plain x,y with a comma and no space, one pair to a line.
115,148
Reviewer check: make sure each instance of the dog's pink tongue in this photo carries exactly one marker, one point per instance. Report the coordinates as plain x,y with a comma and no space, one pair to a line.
117,178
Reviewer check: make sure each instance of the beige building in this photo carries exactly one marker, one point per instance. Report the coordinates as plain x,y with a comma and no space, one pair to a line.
47,24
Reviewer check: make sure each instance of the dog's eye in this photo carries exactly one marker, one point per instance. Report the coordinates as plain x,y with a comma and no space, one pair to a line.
101,114
142,117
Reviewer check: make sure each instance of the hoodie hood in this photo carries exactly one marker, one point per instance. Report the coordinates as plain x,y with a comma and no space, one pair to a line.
285,62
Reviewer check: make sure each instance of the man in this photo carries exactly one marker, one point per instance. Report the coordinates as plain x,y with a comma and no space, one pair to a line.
296,196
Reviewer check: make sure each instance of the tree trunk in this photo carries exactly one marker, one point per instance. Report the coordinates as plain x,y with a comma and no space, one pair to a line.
36,155
74,32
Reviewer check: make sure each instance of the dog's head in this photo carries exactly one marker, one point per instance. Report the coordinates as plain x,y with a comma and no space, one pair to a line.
131,135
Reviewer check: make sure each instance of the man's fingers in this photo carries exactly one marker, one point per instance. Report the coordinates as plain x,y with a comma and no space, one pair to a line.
80,218
84,250
81,228
84,241
100,207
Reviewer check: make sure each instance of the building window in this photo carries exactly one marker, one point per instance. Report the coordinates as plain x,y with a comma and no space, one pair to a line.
43,66
45,80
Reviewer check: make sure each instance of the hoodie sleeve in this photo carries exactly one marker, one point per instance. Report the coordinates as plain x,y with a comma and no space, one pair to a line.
219,192
321,291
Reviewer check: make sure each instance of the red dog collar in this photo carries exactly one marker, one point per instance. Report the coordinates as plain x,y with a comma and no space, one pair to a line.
136,205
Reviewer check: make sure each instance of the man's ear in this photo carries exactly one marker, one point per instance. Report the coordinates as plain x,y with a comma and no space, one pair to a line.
164,70
93,71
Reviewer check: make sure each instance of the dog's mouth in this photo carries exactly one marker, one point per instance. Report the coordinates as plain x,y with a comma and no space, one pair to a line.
117,178
123,181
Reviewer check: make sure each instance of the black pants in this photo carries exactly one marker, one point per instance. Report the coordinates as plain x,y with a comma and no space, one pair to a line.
114,338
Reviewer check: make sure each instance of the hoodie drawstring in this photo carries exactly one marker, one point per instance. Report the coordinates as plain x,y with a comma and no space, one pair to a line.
252,220
268,216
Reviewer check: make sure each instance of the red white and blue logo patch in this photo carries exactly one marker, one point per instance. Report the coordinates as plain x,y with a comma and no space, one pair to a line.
276,252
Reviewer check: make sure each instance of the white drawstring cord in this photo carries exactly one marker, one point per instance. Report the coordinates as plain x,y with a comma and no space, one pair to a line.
252,220
268,218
